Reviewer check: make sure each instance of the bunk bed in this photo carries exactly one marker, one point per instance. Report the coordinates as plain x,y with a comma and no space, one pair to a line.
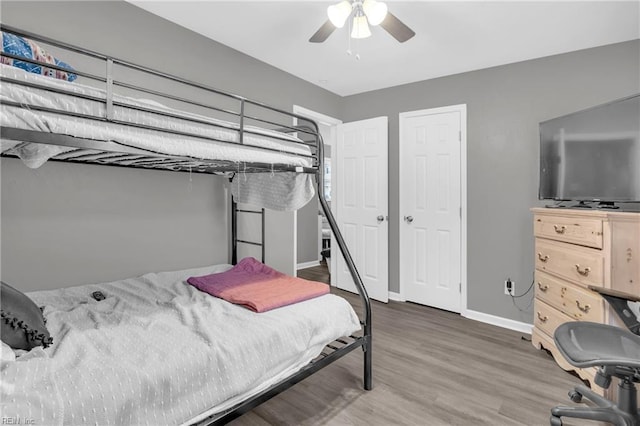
107,114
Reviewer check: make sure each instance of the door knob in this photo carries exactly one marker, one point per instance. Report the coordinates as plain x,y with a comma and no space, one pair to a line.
380,218
408,219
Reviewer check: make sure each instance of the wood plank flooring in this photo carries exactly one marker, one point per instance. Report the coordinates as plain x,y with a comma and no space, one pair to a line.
431,367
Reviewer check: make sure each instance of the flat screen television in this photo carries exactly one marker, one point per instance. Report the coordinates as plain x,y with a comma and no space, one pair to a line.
592,155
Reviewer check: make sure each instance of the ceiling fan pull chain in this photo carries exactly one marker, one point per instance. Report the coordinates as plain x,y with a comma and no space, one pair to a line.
349,51
349,40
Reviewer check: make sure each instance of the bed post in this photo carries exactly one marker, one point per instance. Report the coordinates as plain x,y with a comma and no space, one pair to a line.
234,231
263,242
367,345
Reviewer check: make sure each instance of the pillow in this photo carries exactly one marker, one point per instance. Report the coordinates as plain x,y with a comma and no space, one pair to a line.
29,49
22,325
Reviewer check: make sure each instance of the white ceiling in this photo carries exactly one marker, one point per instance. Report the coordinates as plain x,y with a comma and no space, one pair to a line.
451,36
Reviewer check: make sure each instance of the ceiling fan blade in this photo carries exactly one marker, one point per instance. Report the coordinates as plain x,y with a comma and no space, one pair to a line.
323,33
397,28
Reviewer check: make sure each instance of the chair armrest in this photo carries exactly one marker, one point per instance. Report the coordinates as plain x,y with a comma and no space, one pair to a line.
619,302
615,293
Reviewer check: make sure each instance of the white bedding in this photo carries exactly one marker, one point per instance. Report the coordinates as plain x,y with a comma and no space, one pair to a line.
156,141
158,351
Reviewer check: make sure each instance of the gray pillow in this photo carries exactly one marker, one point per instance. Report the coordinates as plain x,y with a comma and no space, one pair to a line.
22,325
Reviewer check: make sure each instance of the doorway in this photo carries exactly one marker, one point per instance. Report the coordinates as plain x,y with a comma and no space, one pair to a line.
433,207
311,227
363,219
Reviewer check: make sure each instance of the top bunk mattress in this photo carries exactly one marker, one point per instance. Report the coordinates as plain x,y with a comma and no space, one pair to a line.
158,351
141,124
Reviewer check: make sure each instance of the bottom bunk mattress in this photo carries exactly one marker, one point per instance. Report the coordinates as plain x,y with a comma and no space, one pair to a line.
158,351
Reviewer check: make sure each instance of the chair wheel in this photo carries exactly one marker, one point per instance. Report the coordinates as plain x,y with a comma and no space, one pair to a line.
555,421
575,396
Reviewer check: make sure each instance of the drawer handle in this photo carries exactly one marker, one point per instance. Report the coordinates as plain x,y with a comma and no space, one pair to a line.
542,318
560,229
584,308
543,287
584,272
542,258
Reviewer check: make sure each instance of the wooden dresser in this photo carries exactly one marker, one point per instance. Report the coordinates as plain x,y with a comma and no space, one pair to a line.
575,248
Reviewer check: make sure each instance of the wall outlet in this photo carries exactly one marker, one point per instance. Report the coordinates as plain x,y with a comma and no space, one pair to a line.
509,287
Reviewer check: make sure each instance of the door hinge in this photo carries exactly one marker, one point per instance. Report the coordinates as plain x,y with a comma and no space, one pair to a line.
460,287
459,135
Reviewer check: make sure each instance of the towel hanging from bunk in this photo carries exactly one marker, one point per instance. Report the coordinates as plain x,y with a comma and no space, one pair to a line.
284,191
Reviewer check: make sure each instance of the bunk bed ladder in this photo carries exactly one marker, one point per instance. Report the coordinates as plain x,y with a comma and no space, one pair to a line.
234,232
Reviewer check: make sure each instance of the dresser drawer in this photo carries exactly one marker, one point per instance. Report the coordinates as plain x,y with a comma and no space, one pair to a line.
579,303
547,318
575,230
580,264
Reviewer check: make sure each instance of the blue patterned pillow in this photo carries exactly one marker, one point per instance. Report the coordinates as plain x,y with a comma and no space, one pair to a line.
29,49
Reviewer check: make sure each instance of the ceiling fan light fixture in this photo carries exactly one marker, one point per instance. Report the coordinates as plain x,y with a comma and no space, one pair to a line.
338,13
376,11
360,27
361,14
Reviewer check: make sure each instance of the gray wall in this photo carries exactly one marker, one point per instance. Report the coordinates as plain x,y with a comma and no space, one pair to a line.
504,106
69,224
65,224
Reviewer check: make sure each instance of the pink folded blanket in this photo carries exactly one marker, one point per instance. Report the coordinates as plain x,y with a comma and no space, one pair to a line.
257,286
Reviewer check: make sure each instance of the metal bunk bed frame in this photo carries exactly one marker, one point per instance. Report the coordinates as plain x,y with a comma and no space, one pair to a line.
114,153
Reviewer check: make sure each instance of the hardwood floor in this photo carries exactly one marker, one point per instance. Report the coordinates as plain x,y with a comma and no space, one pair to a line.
431,367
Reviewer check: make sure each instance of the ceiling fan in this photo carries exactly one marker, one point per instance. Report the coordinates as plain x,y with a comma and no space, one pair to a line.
365,13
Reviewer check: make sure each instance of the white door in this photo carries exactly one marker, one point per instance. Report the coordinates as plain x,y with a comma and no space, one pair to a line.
430,206
361,207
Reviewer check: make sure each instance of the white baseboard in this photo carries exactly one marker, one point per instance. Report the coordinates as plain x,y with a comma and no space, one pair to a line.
397,297
306,265
522,327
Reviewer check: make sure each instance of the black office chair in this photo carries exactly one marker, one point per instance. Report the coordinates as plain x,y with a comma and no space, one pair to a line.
616,353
